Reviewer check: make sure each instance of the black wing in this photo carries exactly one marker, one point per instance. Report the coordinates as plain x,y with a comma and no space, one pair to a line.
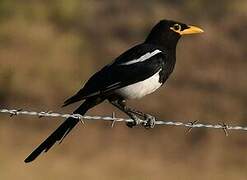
125,70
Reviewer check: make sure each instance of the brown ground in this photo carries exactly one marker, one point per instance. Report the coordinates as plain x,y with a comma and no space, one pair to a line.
48,49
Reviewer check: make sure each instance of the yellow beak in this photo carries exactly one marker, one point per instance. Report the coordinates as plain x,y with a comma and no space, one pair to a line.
191,30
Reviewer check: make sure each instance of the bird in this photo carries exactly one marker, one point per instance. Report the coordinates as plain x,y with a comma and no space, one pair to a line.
137,72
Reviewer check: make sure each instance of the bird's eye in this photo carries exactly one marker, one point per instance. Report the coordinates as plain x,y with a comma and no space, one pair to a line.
177,27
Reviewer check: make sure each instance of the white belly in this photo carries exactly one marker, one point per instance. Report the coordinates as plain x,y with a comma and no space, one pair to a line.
140,89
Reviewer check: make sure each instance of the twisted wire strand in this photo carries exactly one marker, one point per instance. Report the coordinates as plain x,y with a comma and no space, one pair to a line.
190,125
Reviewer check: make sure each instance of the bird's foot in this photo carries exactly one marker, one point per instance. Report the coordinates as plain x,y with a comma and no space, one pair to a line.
149,121
136,121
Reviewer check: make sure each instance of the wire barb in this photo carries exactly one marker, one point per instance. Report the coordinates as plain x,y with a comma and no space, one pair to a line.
192,123
113,119
225,128
78,116
14,112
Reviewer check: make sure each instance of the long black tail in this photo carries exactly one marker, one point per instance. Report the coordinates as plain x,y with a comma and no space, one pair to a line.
63,130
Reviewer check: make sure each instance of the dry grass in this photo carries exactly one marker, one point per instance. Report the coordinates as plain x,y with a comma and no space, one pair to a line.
49,49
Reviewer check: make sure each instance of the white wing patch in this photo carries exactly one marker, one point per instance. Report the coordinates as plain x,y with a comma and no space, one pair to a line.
142,58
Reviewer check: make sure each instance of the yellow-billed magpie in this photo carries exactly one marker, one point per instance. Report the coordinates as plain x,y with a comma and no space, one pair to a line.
137,72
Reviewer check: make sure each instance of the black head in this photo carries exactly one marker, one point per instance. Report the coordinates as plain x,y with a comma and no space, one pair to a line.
167,33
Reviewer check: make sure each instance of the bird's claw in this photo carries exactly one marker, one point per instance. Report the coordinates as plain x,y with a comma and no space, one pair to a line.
149,121
136,121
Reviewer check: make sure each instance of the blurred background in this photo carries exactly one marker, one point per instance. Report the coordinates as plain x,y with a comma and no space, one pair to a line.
48,50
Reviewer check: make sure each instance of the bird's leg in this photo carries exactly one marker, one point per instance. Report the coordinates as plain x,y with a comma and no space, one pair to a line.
121,105
149,121
134,111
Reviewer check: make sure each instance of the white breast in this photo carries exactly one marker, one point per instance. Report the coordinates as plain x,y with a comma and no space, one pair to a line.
140,89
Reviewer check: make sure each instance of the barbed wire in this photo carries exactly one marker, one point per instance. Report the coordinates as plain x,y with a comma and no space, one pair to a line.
113,119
